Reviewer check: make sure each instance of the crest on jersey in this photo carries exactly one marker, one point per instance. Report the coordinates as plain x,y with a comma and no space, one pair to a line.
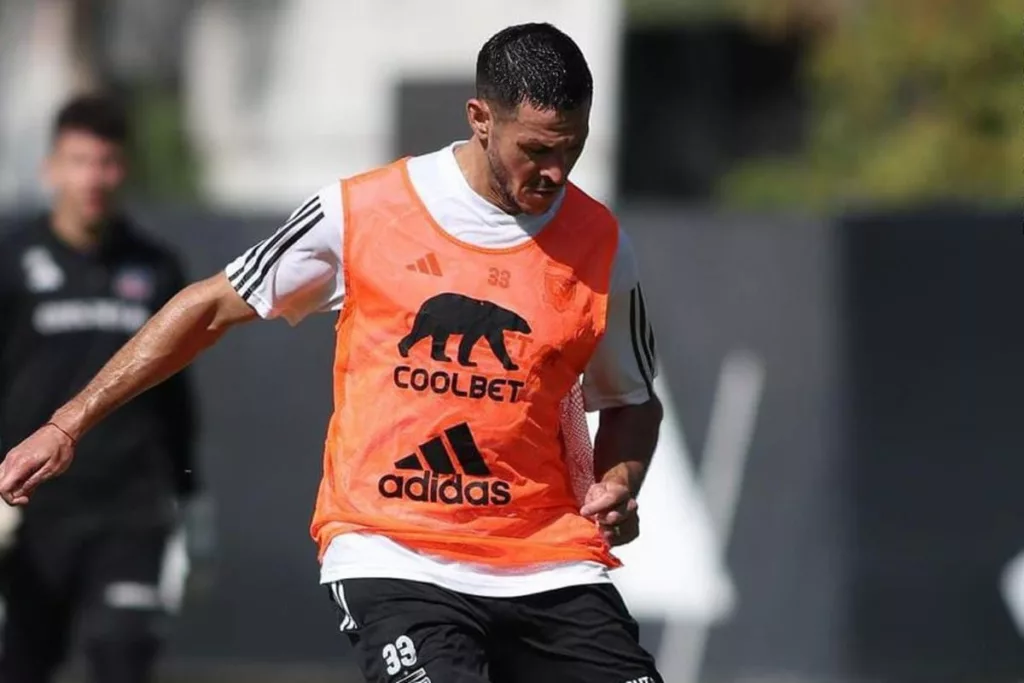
42,274
560,287
134,284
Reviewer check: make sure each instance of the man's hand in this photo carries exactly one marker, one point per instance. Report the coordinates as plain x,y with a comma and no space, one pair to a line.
612,505
40,457
623,448
188,557
197,518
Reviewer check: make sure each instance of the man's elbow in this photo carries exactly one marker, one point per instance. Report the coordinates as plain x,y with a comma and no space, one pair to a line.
648,414
653,410
655,407
220,306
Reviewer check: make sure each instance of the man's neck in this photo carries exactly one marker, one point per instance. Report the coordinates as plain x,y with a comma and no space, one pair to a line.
78,234
472,161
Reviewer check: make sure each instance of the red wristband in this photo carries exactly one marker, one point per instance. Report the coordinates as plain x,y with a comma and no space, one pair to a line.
61,430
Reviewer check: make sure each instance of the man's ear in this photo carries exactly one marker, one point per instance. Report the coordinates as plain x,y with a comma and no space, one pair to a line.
481,119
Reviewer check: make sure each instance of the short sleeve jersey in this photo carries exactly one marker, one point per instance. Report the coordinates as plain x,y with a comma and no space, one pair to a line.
298,271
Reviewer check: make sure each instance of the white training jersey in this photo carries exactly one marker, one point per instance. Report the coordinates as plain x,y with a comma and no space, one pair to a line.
298,271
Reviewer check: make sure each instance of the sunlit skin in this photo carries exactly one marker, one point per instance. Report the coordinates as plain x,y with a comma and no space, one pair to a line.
85,173
519,160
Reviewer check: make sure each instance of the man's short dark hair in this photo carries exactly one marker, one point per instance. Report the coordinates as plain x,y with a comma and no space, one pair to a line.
533,63
98,114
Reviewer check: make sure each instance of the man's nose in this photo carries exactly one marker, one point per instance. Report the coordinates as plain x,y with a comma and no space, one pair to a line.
554,173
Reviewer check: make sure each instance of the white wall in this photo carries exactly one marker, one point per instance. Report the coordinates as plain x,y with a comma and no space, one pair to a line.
323,104
37,73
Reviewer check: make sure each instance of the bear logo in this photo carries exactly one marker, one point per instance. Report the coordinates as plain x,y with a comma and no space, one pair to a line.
446,314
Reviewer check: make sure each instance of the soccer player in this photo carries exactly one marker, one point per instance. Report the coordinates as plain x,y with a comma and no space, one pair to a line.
75,285
475,286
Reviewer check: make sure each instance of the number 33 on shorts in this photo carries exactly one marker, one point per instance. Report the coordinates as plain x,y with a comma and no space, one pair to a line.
399,655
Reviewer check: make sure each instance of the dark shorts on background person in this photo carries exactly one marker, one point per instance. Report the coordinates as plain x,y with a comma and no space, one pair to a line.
76,575
412,632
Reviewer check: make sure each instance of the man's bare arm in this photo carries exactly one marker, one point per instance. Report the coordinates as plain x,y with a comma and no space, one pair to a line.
195,319
190,322
626,438
625,442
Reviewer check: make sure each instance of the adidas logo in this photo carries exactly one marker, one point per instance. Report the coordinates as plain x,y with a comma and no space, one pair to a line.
427,265
439,481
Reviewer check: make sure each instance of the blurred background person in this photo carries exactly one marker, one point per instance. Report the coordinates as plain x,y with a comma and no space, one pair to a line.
75,283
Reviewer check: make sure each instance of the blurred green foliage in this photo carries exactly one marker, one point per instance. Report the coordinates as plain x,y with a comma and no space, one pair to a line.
911,101
164,167
662,12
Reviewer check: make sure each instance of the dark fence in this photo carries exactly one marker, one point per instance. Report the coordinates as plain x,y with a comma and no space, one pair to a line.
882,493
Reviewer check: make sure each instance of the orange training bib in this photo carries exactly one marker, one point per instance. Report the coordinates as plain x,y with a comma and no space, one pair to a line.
451,362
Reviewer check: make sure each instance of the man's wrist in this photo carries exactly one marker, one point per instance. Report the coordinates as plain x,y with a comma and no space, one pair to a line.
68,419
53,425
629,474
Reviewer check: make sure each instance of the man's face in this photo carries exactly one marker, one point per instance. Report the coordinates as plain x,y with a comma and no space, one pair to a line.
532,151
85,172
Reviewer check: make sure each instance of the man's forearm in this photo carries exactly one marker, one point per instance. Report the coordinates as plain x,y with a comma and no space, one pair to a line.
190,322
625,443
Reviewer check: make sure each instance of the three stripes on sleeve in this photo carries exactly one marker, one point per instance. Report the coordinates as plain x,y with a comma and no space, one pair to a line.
258,262
642,334
250,271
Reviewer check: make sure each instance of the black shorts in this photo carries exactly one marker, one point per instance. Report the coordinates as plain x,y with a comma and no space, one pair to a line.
410,632
78,576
